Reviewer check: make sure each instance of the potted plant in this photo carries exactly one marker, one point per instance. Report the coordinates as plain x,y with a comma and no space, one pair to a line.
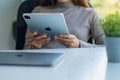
111,28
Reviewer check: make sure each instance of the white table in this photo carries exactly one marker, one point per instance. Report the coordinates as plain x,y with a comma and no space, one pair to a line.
78,64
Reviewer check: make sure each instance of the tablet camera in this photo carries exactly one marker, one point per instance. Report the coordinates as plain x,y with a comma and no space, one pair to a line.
27,17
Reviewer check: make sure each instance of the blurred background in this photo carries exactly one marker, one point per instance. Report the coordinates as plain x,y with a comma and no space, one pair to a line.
105,7
8,13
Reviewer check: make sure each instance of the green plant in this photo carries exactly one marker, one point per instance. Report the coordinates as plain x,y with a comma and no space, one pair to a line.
111,25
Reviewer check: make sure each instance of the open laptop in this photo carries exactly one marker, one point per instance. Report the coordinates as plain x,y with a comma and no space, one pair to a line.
46,23
30,58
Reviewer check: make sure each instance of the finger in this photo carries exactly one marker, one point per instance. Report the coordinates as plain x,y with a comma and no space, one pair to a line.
36,45
68,36
40,43
30,40
37,37
64,35
43,41
67,44
41,37
63,39
32,34
46,40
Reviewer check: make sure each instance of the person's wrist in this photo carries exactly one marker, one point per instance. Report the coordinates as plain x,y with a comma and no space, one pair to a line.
77,44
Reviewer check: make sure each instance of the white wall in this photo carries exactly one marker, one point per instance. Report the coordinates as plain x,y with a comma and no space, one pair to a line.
8,13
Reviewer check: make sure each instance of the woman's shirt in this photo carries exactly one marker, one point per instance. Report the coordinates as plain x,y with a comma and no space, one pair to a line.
81,22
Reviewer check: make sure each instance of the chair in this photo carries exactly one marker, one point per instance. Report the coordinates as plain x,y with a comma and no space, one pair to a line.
26,7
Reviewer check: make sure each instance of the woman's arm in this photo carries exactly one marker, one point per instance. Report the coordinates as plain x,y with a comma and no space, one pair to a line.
95,30
71,41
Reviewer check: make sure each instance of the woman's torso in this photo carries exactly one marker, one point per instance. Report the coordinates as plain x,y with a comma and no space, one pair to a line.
77,19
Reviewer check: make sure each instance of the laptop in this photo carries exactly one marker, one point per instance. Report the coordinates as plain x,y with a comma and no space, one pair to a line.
30,58
46,23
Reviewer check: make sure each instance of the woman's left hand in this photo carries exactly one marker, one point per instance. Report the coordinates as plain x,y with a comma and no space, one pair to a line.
68,40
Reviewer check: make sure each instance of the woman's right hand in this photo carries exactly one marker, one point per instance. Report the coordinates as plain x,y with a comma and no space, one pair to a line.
36,40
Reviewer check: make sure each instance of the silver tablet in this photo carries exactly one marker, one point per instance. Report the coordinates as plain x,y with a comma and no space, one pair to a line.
30,58
46,23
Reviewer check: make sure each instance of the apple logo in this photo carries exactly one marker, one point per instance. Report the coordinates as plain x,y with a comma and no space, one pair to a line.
48,29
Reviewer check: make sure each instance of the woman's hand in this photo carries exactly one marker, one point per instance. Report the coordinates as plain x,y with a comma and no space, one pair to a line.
68,40
37,41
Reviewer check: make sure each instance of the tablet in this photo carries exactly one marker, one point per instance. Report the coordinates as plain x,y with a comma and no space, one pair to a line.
46,23
24,58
